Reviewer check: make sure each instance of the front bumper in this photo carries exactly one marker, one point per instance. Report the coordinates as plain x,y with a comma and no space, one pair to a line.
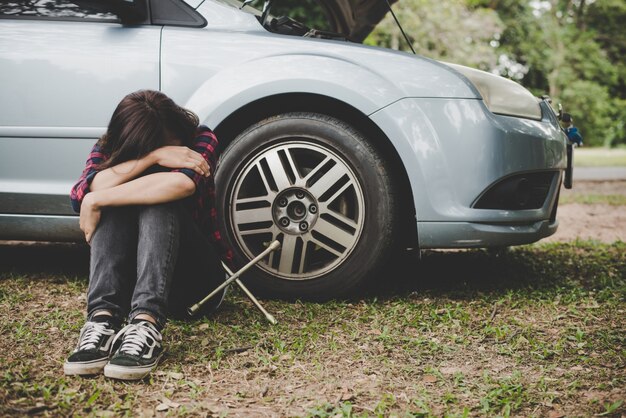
469,235
454,150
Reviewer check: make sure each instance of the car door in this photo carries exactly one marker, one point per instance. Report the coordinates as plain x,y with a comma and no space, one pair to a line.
63,70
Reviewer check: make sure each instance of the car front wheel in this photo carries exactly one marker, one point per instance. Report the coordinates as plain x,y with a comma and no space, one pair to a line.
317,186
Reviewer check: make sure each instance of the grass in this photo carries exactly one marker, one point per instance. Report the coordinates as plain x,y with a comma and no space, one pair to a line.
534,331
600,157
593,199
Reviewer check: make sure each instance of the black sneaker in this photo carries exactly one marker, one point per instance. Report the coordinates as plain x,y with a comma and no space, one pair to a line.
138,354
93,349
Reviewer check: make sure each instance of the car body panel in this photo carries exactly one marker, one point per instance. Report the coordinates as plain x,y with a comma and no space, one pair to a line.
72,64
442,141
478,235
450,145
81,69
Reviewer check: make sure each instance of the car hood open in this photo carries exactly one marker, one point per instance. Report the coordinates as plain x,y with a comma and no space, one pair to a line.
355,18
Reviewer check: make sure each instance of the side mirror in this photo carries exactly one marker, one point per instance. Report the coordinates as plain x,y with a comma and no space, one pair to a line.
128,11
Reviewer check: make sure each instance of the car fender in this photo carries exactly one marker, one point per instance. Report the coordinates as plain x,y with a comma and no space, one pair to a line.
234,87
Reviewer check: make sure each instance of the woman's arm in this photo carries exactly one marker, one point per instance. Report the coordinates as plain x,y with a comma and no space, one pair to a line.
146,190
120,173
168,156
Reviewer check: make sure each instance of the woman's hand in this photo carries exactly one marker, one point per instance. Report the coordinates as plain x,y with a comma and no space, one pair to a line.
89,216
181,157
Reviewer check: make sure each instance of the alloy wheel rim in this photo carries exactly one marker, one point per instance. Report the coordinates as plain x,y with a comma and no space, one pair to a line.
305,196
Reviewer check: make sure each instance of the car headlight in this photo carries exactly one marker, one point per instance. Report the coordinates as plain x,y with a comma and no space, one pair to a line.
501,95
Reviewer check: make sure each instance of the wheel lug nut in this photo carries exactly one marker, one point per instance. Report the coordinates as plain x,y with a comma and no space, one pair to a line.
282,202
300,194
303,226
284,221
313,209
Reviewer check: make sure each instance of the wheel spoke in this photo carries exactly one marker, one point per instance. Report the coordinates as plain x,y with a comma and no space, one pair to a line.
327,180
263,230
256,200
278,170
324,246
287,253
248,216
303,257
317,168
264,179
341,218
294,169
334,233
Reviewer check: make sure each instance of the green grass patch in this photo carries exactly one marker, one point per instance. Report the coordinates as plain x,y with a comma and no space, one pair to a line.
600,157
589,199
531,331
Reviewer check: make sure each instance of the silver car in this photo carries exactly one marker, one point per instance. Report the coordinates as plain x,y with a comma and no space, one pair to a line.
344,153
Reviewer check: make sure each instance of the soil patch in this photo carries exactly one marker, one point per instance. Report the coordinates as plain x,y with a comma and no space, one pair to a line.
602,222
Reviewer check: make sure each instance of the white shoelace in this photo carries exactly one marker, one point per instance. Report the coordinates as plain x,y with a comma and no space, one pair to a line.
136,337
91,334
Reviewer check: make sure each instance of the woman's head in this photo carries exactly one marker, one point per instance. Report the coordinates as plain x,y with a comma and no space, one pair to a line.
144,121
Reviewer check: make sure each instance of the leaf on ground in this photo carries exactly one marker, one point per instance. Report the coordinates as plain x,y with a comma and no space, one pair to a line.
346,396
521,341
162,407
175,375
429,378
166,404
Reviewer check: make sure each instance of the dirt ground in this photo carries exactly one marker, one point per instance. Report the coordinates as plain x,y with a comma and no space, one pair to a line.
602,222
534,332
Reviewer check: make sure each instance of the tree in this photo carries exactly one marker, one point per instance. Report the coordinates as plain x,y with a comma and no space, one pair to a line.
570,49
560,46
446,30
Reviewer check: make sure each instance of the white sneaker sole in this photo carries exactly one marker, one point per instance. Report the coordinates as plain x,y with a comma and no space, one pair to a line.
84,368
128,372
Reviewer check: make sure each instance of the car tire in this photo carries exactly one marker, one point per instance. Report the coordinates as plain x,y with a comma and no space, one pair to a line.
318,186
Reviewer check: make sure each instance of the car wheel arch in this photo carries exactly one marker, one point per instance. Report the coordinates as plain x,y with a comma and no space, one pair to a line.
238,121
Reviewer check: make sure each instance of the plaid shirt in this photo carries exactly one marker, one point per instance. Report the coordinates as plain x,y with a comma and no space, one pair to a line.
202,203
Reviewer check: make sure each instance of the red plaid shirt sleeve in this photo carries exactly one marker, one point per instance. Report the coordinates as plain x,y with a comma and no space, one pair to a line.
81,188
205,144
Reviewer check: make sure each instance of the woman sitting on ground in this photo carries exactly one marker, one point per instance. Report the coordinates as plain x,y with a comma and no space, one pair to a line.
146,203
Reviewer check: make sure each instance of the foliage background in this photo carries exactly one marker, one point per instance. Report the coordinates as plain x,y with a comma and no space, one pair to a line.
570,49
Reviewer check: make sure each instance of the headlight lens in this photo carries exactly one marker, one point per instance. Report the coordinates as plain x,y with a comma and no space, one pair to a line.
501,95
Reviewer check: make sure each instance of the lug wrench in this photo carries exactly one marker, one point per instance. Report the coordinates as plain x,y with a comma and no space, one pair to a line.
234,277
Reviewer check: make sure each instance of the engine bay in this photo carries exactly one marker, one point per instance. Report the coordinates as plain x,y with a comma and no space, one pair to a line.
285,25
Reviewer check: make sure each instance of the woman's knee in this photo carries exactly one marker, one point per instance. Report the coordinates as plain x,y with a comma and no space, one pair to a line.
161,222
115,222
159,211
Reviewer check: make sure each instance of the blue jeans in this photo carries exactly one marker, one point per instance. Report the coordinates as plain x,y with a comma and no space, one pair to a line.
150,259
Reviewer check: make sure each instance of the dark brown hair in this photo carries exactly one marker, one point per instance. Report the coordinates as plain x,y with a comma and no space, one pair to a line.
142,122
